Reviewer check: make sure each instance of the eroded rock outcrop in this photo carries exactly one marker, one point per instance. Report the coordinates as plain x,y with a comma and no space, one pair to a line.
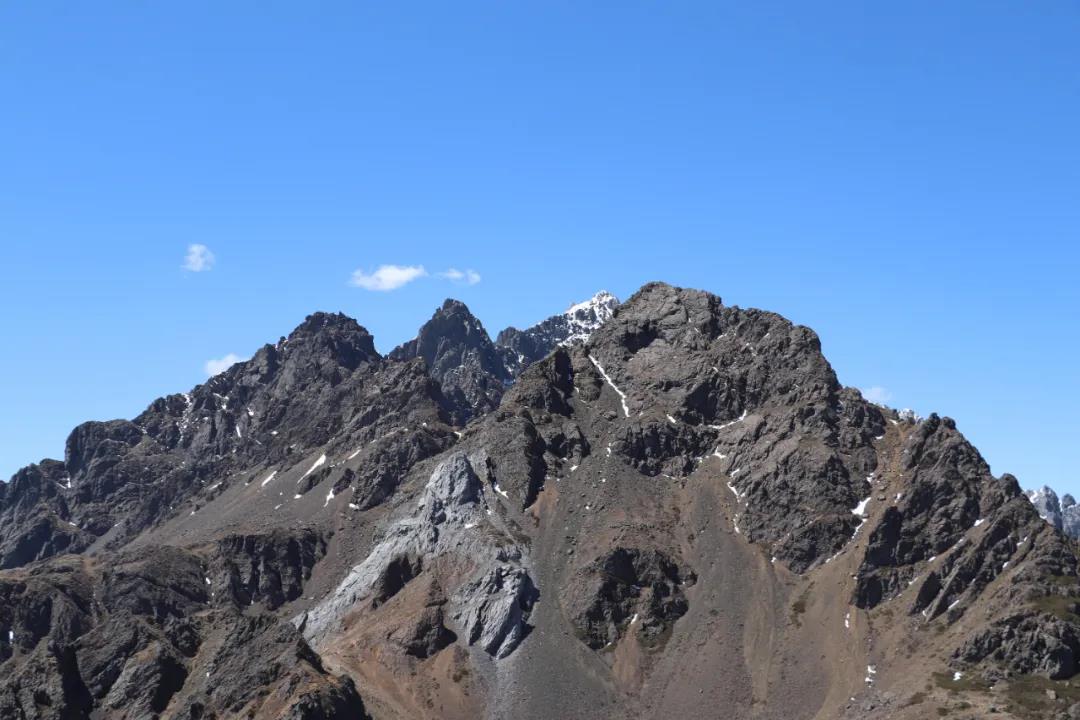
451,525
627,589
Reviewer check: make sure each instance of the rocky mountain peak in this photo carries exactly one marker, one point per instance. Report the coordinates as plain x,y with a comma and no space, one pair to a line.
337,336
460,355
521,348
585,318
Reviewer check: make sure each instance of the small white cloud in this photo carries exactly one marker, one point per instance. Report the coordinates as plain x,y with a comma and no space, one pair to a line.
387,277
469,277
877,394
215,367
198,258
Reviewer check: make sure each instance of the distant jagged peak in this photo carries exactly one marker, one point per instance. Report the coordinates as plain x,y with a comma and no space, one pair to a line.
1062,513
521,348
459,354
584,318
451,335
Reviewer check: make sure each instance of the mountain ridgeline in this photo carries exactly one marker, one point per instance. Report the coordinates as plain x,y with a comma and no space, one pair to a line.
668,507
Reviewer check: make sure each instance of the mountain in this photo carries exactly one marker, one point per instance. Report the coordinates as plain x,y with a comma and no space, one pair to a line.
1064,514
676,510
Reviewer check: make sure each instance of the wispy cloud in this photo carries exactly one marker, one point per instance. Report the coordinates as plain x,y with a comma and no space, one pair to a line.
877,394
469,277
220,365
198,258
387,277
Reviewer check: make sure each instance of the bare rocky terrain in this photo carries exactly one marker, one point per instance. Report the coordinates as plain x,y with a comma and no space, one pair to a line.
663,508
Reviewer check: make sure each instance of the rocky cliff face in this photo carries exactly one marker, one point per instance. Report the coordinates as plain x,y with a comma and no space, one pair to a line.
669,507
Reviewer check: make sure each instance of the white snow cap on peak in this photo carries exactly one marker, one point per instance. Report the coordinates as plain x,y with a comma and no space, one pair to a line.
602,301
586,317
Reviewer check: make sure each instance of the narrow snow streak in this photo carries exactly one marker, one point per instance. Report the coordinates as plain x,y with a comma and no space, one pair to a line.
318,463
730,422
622,396
268,478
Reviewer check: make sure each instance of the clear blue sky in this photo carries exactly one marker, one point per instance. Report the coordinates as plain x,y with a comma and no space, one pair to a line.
904,178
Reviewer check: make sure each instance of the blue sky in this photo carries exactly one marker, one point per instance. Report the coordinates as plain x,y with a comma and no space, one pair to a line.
903,178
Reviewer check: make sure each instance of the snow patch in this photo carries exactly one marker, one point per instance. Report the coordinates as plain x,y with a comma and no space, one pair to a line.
315,466
729,423
268,479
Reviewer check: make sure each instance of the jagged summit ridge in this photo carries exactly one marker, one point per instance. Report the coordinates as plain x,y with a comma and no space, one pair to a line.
474,371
